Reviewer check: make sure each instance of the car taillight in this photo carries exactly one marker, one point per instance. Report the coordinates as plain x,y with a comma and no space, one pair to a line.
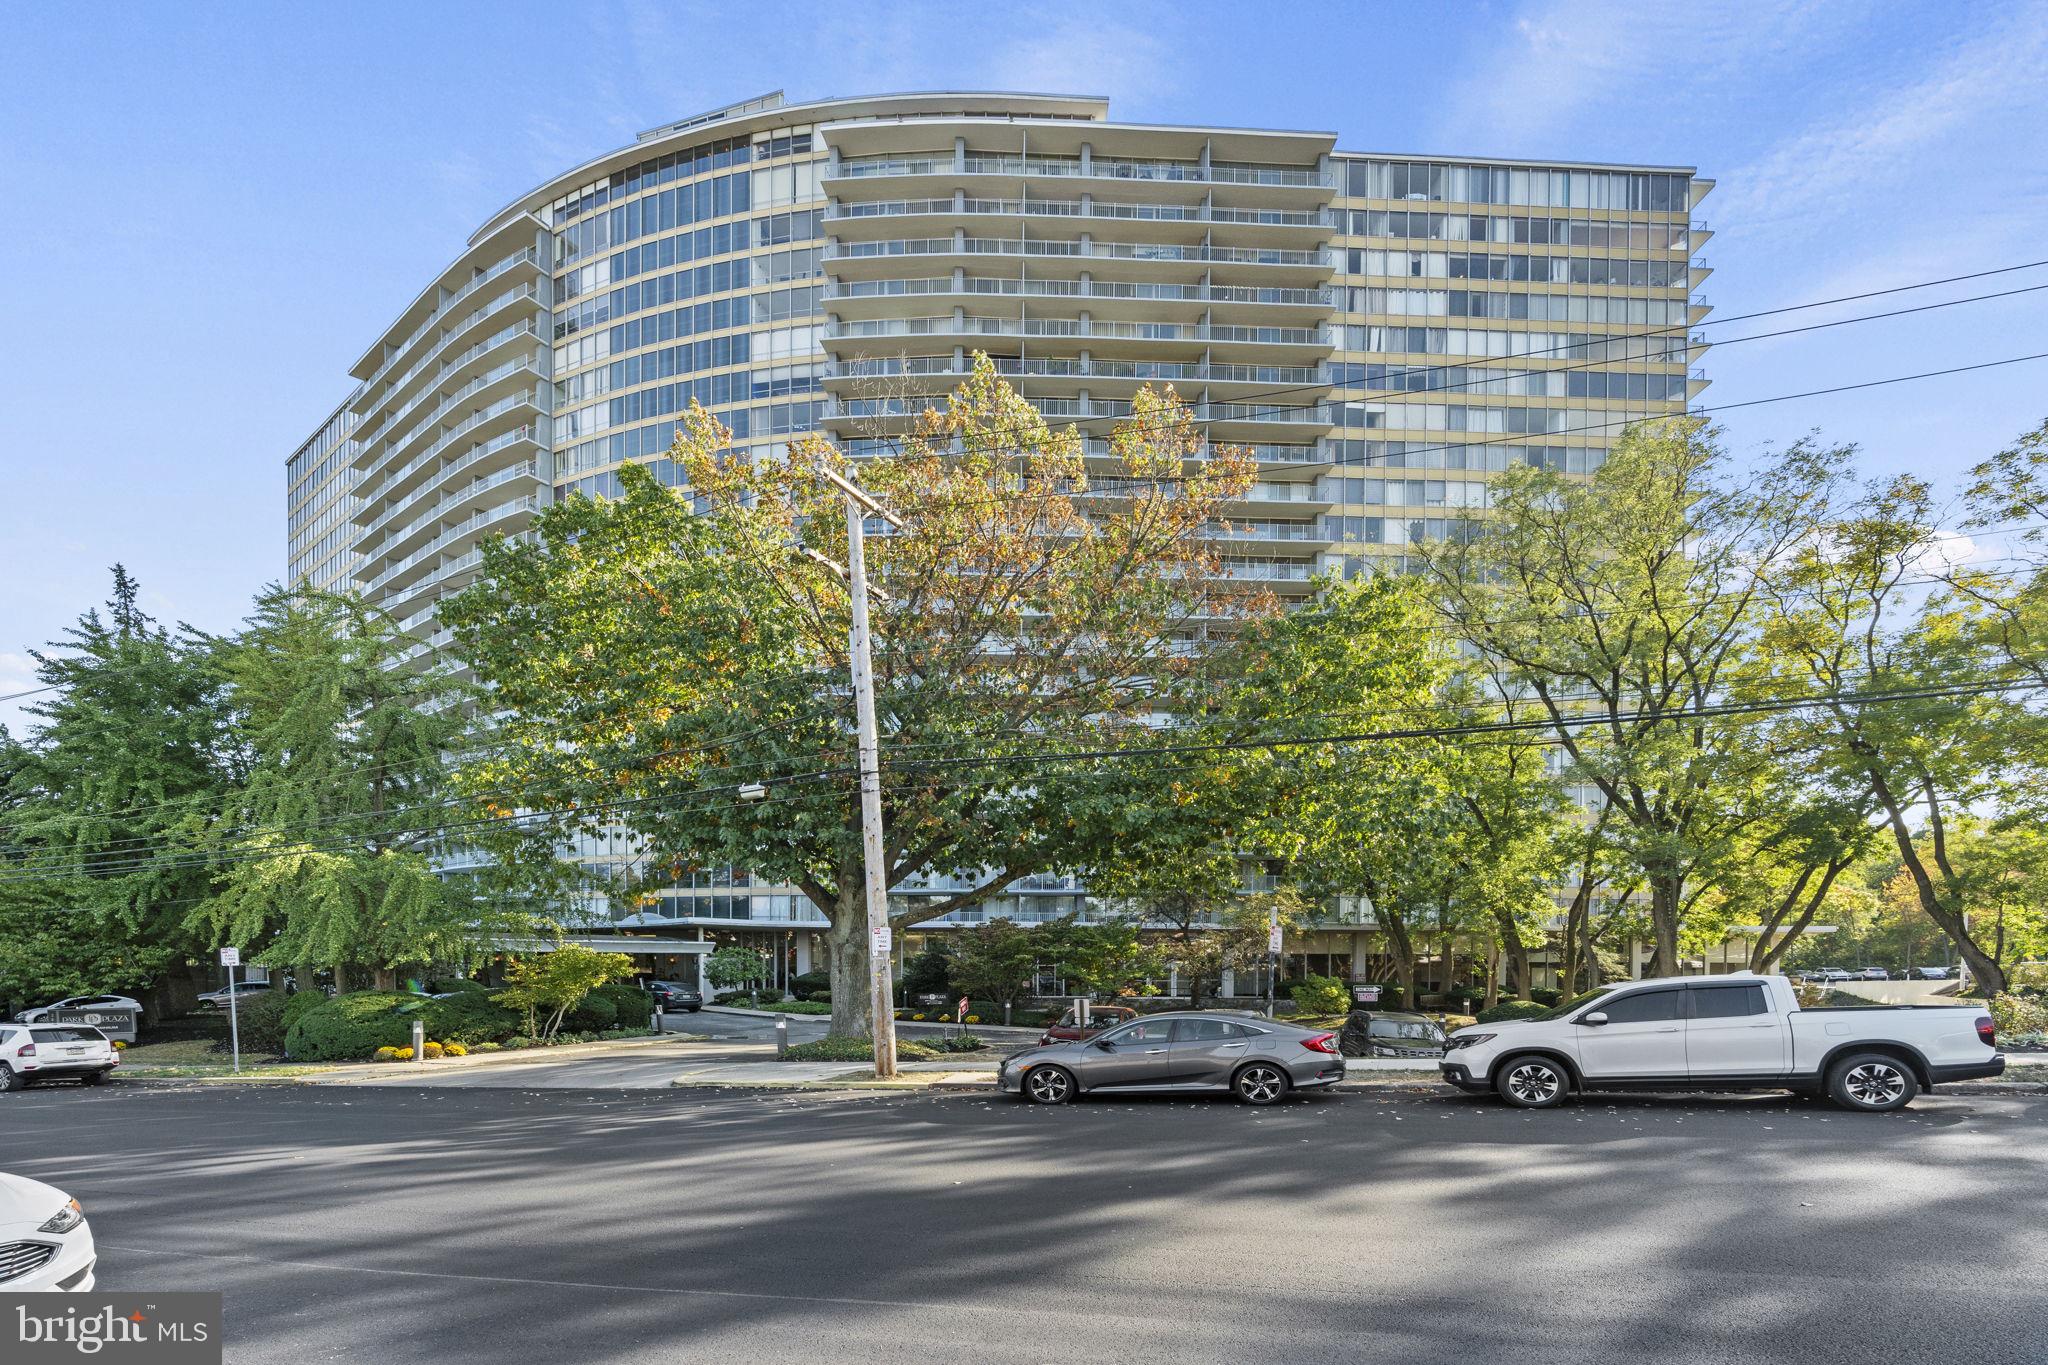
27,1050
1322,1042
1987,1031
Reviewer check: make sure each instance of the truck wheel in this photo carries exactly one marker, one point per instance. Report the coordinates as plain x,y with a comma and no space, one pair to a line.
1872,1082
1532,1082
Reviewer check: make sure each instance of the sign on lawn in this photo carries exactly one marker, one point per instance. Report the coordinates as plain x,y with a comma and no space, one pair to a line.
231,957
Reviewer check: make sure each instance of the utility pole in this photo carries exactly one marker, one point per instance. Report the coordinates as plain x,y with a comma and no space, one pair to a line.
881,1004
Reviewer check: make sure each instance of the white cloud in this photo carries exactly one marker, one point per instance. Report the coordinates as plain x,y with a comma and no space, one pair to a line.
1564,59
1938,137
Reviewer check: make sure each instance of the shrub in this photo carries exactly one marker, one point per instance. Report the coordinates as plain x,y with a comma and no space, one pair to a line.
811,985
401,1054
471,1017
2015,1014
455,1049
632,1007
595,1011
484,1047
973,1018
857,1050
517,1043
955,1043
352,1026
432,1051
1543,995
1510,1009
1458,1021
440,985
298,1005
387,1054
1321,995
806,1007
261,1019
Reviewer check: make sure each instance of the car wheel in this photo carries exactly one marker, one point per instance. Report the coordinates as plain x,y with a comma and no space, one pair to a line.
1260,1083
95,1078
1872,1082
1048,1085
8,1080
1532,1082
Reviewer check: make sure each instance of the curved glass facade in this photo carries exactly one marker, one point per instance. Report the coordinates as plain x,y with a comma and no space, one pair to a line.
1384,331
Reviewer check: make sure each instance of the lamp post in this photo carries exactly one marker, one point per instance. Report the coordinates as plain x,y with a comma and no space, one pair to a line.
860,506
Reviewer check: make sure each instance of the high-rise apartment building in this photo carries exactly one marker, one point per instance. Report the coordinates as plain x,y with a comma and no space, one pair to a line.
1384,331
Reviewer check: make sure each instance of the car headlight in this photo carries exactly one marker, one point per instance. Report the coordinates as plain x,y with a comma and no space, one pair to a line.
66,1218
1458,1040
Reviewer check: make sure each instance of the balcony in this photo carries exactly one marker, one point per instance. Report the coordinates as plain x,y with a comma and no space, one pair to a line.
527,259
1131,340
871,259
1134,177
396,482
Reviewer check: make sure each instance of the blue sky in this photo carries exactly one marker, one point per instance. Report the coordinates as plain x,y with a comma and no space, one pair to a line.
219,206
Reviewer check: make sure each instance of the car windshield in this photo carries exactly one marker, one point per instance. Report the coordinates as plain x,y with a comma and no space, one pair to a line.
1577,1002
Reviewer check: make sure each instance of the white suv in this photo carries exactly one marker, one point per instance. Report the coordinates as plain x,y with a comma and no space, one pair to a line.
37,1052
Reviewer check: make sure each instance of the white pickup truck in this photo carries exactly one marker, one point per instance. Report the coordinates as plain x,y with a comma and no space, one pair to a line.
1737,1032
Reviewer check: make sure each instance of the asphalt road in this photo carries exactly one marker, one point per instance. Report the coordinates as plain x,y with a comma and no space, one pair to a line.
396,1225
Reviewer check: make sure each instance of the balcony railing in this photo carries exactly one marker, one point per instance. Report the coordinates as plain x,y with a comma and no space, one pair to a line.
468,287
1103,251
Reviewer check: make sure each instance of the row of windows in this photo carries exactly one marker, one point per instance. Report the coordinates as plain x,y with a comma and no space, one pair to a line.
685,164
1465,417
719,277
1598,349
1458,265
660,253
1617,309
717,196
1661,388
1400,531
1406,493
634,443
1487,458
1652,192
1515,228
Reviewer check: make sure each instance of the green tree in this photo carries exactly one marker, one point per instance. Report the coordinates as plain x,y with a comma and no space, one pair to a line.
328,860
1849,613
103,803
996,960
930,972
1624,604
734,968
659,652
546,986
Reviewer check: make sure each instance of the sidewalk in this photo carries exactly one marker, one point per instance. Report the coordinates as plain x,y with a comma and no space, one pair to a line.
322,1073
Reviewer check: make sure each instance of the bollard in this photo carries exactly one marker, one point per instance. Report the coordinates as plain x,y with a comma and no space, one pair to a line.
419,1041
781,1036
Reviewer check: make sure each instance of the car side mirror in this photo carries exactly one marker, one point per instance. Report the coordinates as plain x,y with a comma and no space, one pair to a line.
1596,1018
1105,1044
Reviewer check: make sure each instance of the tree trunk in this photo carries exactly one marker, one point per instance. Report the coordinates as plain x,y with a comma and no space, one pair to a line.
1666,889
846,950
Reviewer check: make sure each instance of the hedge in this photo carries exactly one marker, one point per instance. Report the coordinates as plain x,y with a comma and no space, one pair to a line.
470,1017
352,1026
811,985
262,1020
1511,1009
857,1050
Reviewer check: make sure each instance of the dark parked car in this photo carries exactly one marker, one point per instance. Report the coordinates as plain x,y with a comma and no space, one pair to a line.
674,995
1392,1033
1067,1027
1258,1060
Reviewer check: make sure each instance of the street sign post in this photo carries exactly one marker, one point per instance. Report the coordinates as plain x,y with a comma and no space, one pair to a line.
231,958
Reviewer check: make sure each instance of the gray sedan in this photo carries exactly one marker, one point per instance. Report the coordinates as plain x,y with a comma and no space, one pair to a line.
1257,1059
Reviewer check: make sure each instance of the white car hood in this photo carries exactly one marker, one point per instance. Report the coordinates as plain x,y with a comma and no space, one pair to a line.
28,1202
1503,1026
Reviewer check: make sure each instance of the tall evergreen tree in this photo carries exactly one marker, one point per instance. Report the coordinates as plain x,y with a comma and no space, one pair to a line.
106,799
328,862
